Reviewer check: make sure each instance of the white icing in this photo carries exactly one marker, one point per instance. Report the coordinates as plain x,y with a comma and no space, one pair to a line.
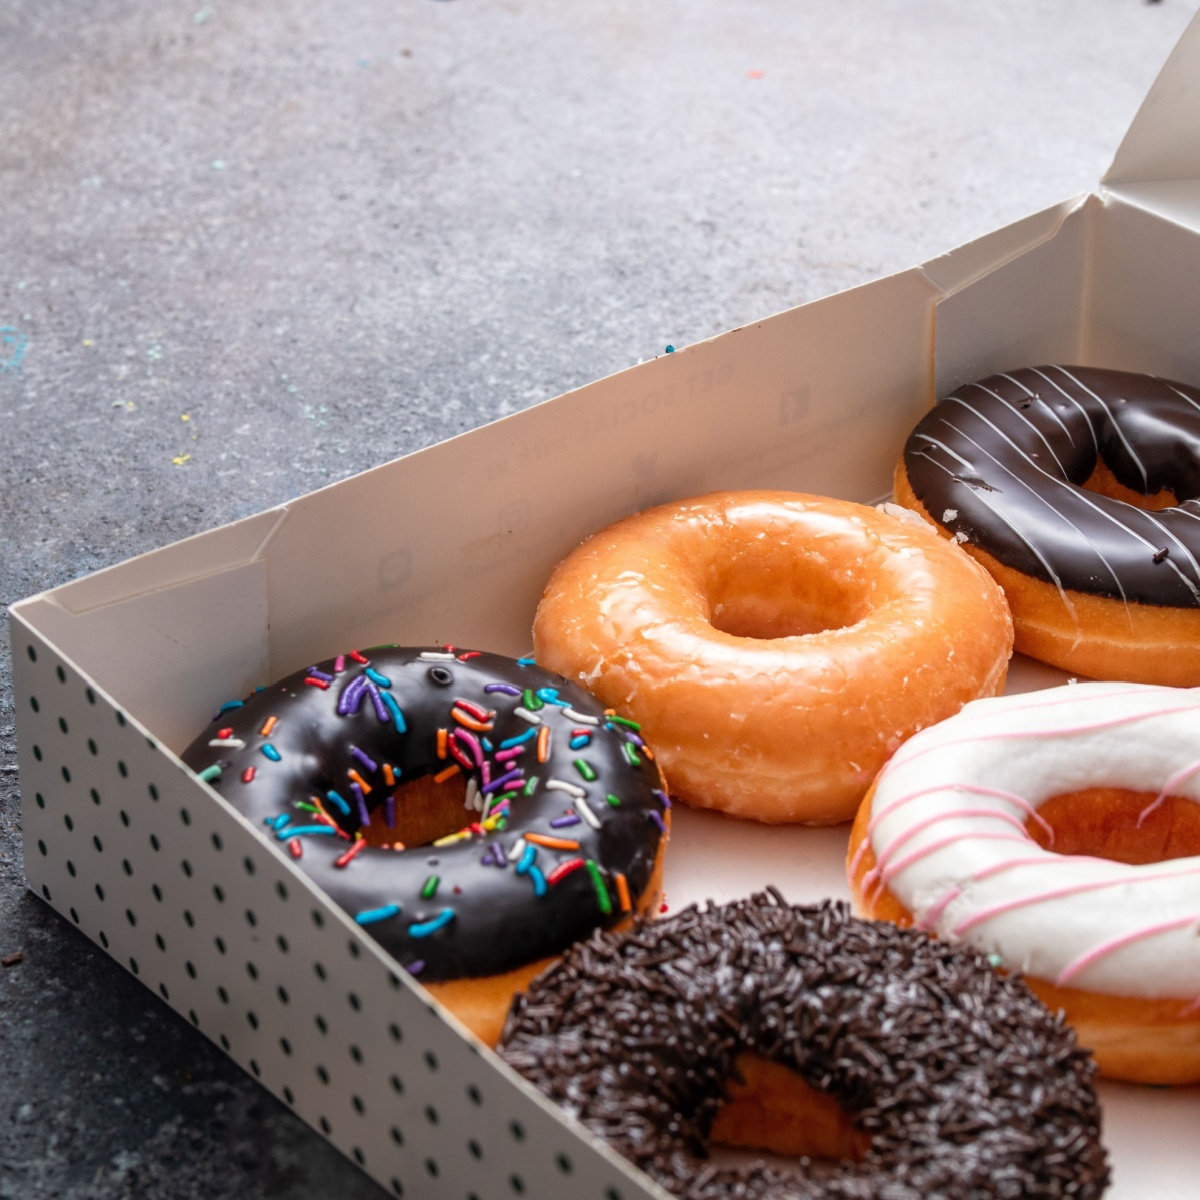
948,832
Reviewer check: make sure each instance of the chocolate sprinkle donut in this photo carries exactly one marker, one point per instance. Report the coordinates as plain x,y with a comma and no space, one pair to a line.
563,810
1001,463
965,1083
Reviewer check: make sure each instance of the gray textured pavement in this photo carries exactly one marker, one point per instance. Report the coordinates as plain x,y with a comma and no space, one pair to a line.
250,248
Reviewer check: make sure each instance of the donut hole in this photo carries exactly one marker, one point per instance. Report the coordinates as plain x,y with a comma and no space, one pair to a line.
1104,483
782,595
1104,823
425,810
772,1109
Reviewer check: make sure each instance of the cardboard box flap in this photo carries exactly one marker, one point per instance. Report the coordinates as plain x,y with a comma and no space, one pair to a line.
1162,146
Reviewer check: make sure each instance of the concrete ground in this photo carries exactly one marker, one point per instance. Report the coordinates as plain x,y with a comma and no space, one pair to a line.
250,248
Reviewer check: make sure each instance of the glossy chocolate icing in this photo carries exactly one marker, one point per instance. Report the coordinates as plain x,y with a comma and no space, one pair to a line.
506,908
1001,463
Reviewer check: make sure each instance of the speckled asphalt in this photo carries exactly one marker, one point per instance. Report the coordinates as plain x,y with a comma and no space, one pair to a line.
248,249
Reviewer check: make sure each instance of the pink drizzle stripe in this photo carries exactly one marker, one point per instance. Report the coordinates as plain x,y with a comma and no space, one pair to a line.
934,915
908,834
1105,948
933,847
1168,787
1074,889
1019,734
971,789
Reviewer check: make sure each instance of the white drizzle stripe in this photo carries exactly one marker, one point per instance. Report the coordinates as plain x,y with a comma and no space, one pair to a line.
1137,462
1104,926
1048,407
1016,412
1078,493
1059,388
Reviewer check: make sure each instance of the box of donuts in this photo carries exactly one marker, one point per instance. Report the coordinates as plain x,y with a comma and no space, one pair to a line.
770,771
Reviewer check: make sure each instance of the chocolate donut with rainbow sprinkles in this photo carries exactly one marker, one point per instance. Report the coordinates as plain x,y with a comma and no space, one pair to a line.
476,814
1058,832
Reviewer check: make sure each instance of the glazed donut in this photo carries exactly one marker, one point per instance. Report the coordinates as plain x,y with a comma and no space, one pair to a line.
474,813
1059,832
1079,490
776,647
923,1071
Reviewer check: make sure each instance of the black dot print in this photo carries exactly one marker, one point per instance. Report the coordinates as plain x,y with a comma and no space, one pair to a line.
95,796
41,800
397,1085
62,724
68,822
431,1060
45,891
133,966
70,868
516,1183
564,1164
474,1094
153,792
431,1114
37,752
322,1074
326,1128
475,1148
252,1019
397,1187
158,941
162,991
517,1130
74,916
358,1105
432,1167
282,943
359,1157
217,843
32,653
42,848
103,935
124,818
255,1068
397,1136
394,1031
285,1046
92,747
282,993
62,675
123,769
281,889
33,703
356,1054
321,1025
287,1095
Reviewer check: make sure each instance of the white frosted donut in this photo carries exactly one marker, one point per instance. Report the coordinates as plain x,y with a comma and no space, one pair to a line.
947,834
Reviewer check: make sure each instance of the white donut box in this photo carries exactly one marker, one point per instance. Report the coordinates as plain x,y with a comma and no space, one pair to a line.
115,673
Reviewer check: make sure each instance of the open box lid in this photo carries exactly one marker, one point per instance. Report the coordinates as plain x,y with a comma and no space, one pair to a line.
1158,164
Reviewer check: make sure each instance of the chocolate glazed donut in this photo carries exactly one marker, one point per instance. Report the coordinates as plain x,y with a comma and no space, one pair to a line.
956,1083
1079,488
555,813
